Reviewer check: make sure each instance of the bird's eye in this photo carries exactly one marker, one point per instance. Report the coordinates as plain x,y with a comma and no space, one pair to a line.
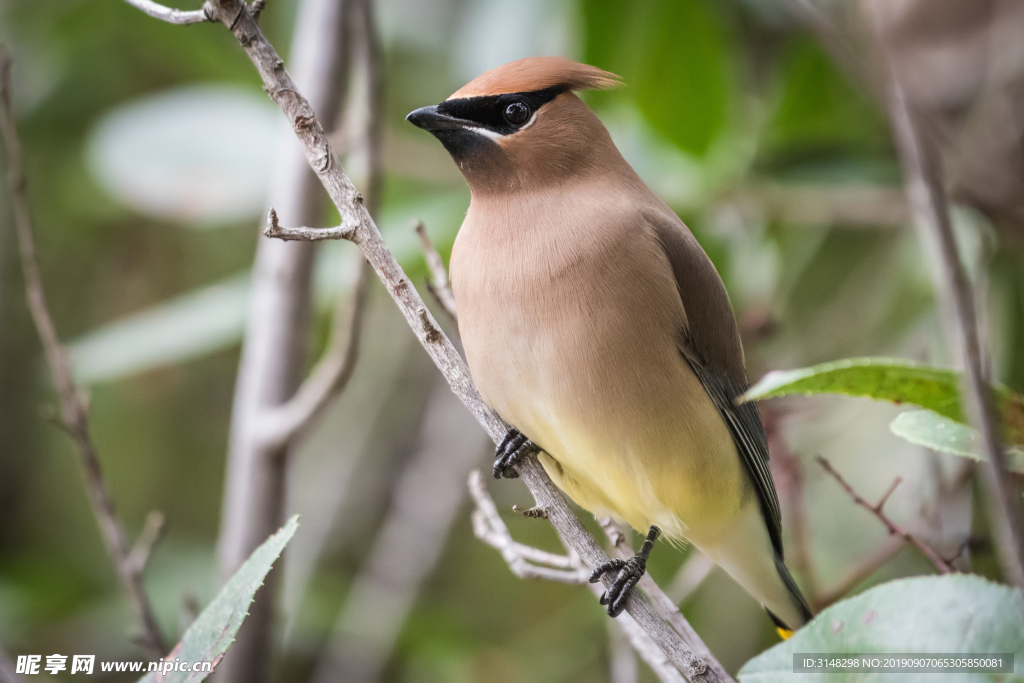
517,113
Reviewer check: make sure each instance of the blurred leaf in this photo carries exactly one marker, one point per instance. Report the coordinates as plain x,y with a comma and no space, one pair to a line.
928,429
928,614
213,317
673,56
887,379
210,636
197,153
818,109
191,325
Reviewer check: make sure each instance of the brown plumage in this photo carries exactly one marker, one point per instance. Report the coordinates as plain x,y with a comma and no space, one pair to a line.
596,325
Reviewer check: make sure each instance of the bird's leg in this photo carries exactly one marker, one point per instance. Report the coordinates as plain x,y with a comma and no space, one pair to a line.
630,572
513,448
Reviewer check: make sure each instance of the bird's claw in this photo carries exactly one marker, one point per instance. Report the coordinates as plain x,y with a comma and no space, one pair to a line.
629,574
512,449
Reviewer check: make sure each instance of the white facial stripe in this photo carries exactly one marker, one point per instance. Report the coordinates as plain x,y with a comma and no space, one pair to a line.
498,137
487,133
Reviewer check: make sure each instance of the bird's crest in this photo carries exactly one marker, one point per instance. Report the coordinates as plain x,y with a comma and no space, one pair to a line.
538,73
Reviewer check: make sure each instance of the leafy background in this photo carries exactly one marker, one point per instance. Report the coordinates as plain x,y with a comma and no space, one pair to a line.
731,112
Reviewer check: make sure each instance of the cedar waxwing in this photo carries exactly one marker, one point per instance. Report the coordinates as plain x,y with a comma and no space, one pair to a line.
595,324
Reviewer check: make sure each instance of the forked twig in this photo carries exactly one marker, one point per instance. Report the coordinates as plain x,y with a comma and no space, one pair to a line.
942,565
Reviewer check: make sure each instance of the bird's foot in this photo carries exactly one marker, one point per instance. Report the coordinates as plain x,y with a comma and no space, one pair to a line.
513,448
629,573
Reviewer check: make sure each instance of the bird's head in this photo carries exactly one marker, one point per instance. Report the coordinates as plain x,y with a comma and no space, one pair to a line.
520,127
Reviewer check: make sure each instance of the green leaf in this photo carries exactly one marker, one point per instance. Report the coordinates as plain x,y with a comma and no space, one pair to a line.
928,614
210,636
928,429
886,379
882,379
817,107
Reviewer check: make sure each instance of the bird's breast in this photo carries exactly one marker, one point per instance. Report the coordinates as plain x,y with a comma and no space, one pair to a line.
570,332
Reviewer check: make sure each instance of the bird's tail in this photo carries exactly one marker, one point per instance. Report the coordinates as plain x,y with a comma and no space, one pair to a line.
786,630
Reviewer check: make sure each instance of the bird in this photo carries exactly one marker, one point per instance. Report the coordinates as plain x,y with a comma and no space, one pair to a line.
596,326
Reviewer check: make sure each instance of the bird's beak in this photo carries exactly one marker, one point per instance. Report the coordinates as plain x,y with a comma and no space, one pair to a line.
429,118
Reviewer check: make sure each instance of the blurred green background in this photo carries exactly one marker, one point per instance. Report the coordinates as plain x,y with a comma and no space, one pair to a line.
148,152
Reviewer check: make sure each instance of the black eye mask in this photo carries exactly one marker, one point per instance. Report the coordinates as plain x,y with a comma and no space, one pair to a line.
503,114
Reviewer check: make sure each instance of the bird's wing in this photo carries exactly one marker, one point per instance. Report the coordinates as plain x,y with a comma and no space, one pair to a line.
711,345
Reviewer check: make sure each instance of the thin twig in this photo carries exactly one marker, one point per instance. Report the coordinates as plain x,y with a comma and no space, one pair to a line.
274,230
862,572
438,285
923,178
893,528
170,15
322,158
280,424
523,561
526,562
666,608
73,411
152,532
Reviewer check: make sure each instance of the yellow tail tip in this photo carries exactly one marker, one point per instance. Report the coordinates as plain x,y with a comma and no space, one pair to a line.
784,633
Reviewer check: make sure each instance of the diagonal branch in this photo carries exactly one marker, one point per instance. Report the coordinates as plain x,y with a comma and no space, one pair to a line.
942,565
73,410
322,158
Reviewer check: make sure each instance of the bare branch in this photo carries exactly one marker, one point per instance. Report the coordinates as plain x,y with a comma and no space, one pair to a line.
922,170
321,157
523,561
438,284
171,16
280,424
275,230
942,565
73,410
